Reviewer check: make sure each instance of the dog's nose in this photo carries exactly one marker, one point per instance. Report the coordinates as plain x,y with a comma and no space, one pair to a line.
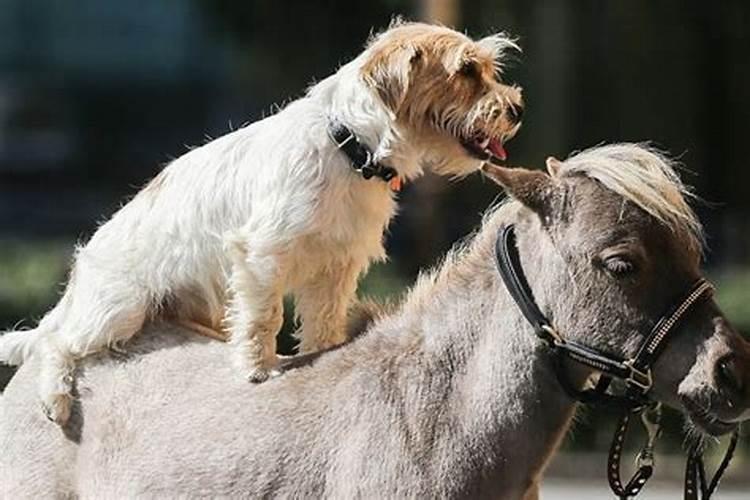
515,112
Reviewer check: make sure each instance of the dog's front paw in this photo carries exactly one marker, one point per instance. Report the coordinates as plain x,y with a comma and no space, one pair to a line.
261,374
56,408
260,370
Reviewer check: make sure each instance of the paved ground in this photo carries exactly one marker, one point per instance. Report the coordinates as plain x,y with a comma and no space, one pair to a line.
556,489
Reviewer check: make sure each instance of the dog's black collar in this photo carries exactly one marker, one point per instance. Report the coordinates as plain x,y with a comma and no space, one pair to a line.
360,156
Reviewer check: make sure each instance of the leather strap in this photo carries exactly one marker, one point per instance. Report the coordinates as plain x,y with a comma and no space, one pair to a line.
644,461
360,156
654,344
696,487
509,265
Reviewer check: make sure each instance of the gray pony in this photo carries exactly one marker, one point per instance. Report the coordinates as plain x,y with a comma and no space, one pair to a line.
449,395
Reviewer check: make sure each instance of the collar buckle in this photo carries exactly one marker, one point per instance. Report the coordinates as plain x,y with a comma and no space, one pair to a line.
361,158
342,143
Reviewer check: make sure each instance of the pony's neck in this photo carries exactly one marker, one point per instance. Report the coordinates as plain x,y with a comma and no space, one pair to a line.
345,96
493,383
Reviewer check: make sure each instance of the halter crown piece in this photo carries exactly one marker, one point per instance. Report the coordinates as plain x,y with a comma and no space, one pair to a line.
634,372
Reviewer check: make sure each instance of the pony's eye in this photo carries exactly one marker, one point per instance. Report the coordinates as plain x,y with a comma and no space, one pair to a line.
619,265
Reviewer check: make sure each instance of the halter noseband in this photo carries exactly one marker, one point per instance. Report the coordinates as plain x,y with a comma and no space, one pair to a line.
635,372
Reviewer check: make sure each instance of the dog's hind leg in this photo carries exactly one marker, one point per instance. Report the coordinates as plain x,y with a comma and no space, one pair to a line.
79,337
101,312
55,380
322,304
255,313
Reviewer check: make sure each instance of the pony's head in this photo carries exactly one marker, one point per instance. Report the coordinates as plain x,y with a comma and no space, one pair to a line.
609,244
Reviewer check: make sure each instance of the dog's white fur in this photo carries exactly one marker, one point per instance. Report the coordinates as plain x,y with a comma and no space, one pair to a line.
230,227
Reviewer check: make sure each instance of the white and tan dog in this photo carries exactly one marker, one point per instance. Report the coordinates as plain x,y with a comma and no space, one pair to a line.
221,234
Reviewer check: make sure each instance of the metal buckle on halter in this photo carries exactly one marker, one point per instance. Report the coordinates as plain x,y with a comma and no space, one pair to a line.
641,379
556,338
651,418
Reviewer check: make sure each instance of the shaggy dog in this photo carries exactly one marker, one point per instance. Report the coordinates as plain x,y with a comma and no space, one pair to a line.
295,203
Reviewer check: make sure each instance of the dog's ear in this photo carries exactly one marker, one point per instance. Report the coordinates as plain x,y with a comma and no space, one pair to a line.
533,188
464,62
389,72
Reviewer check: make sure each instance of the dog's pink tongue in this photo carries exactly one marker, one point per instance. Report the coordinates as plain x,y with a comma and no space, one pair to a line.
497,149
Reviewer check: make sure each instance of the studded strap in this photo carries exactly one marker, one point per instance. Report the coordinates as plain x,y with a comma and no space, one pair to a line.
645,460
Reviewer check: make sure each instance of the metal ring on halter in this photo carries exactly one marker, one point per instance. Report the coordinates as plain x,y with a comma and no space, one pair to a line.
556,337
644,380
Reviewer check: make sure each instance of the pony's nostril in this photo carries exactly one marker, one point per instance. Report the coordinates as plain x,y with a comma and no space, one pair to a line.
728,375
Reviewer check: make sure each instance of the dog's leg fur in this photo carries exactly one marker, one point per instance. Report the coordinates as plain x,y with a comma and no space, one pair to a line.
255,313
97,315
55,380
322,304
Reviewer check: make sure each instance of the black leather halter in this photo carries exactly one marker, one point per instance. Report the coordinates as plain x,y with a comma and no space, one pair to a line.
635,372
360,156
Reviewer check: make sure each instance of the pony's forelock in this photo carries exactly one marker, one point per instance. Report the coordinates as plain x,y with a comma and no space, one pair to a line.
645,177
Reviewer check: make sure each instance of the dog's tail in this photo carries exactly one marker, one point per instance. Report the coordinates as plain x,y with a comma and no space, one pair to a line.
17,346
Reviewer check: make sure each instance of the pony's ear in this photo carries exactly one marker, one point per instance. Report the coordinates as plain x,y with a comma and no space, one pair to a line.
533,188
553,166
389,72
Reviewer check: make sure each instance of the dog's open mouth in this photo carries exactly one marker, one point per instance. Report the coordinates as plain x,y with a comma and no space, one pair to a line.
486,148
704,419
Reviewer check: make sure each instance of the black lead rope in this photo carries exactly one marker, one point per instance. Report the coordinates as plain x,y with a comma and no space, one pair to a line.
634,372
695,471
651,418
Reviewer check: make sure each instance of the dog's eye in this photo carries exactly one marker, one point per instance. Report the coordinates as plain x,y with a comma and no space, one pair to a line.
468,68
619,265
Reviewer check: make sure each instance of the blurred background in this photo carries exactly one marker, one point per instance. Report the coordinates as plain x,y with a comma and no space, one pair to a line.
97,96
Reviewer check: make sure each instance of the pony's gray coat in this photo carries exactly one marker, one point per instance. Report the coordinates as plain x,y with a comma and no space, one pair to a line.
451,395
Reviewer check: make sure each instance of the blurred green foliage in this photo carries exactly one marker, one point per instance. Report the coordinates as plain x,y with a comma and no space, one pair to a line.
31,273
733,295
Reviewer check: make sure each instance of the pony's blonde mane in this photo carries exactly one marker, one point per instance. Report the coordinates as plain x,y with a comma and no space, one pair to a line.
645,177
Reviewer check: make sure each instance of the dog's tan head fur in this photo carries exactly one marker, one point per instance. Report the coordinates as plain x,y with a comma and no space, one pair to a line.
444,90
